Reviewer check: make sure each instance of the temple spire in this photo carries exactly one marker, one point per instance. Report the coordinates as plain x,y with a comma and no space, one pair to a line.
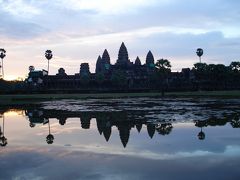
123,55
137,61
106,57
149,58
98,64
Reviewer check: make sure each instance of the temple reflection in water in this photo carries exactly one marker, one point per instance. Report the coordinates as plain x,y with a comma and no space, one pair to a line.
123,121
104,121
121,136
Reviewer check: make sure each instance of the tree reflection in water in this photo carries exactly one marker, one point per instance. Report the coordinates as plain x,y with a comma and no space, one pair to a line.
124,121
164,129
49,137
3,139
62,120
235,121
201,135
201,124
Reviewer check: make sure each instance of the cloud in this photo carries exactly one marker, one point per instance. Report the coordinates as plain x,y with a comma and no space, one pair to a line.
82,29
21,30
20,8
62,163
107,6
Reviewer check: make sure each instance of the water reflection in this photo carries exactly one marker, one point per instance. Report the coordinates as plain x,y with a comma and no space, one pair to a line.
130,143
124,122
49,137
3,139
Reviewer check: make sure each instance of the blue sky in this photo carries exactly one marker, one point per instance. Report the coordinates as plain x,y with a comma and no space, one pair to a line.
78,31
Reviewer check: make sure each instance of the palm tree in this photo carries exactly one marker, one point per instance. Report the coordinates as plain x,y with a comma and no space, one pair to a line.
235,66
2,55
31,68
163,67
48,55
199,52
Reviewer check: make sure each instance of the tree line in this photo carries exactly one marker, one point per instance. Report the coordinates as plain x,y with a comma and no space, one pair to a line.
217,76
203,77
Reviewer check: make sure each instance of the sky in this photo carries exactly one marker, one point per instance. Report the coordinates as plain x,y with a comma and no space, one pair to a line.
78,31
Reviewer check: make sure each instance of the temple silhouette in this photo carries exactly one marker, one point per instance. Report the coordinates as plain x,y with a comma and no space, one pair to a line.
123,75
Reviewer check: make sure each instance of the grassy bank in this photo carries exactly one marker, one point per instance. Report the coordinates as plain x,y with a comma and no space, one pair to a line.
23,99
223,94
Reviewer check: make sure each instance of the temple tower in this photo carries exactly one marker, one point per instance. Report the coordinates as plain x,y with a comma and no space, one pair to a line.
84,69
99,65
150,59
123,55
103,64
137,62
105,61
105,57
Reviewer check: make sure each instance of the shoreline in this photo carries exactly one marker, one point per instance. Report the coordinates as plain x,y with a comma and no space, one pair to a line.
9,99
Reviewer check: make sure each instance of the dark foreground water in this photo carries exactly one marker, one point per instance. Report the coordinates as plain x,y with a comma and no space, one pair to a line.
140,138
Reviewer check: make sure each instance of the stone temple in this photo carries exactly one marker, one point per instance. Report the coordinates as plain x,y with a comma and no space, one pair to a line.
123,75
123,64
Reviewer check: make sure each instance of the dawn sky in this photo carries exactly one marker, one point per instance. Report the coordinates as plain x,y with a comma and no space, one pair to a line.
78,31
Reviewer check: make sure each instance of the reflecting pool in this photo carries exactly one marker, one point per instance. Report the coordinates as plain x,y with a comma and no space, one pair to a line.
132,138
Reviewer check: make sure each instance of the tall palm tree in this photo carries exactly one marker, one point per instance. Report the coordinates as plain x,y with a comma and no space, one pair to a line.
2,55
48,55
31,68
199,52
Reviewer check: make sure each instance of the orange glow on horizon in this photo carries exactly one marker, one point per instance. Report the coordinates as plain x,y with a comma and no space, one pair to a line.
14,112
13,78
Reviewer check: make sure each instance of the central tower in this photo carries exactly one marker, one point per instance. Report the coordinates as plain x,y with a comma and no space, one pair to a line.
123,55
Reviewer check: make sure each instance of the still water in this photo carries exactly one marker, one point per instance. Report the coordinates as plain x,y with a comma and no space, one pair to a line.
140,138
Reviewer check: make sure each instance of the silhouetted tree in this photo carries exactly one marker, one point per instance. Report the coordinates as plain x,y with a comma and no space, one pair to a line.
235,66
200,72
2,55
199,52
31,68
48,55
212,76
163,67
